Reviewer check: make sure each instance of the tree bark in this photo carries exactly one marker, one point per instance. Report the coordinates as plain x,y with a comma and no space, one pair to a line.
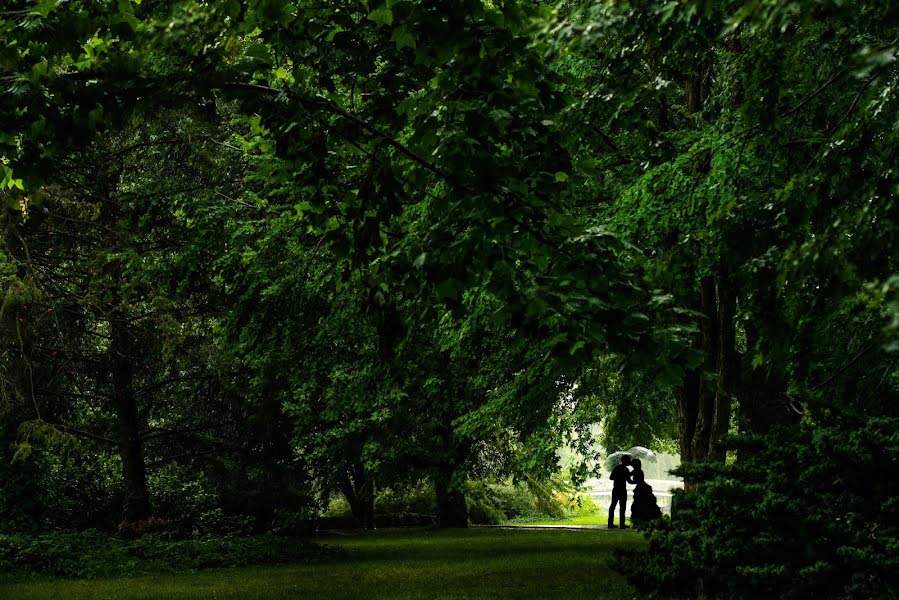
358,489
708,332
697,88
451,508
763,398
727,361
704,399
695,399
687,405
123,353
663,121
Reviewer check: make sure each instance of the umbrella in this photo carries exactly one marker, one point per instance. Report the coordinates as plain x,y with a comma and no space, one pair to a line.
614,459
644,454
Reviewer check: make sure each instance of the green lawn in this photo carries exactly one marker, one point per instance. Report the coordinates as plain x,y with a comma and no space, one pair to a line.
597,518
594,519
476,563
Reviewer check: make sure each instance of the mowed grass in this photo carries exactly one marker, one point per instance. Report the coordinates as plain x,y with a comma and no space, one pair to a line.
476,563
594,519
599,517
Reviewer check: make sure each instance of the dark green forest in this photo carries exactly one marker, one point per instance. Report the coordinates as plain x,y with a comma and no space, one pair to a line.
261,256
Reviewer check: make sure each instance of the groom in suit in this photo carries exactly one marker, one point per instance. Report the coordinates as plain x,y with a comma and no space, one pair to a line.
621,476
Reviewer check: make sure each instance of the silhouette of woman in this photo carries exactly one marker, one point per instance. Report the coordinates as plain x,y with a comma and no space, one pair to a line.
644,507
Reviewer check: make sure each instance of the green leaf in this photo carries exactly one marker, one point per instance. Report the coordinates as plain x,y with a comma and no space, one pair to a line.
382,16
403,38
258,55
337,29
22,452
43,7
667,10
587,166
757,360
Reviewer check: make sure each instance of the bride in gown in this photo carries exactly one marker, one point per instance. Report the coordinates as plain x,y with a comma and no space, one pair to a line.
644,507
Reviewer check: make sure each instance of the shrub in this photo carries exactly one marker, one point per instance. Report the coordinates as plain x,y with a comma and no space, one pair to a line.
216,522
46,485
287,522
417,498
811,511
338,507
93,554
488,503
494,504
581,505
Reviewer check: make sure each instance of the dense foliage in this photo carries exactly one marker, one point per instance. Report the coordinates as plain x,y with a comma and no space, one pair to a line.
260,254
92,554
801,513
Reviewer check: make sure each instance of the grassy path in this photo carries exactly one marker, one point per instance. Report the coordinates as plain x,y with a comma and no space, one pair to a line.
478,563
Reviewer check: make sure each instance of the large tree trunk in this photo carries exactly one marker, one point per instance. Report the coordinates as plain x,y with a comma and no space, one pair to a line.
687,395
697,87
704,398
708,334
451,508
123,354
763,399
359,491
726,363
700,410
662,119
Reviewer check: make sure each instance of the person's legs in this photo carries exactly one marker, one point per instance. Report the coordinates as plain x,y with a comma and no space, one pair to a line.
612,510
619,498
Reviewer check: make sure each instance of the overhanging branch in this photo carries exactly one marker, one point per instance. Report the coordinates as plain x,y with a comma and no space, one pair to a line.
329,106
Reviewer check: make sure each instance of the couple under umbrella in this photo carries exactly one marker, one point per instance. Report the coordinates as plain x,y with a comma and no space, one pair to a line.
644,507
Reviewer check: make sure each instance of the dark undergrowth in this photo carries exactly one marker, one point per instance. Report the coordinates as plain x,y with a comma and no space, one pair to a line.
93,554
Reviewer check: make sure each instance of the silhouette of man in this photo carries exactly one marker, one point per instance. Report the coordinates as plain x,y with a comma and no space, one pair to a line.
621,476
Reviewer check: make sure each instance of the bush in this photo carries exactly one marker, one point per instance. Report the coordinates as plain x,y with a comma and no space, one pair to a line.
93,554
494,504
811,511
415,503
488,504
418,498
581,505
216,522
46,485
298,523
338,507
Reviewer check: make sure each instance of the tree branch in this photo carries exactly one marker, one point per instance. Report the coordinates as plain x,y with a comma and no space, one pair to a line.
839,371
82,433
329,106
168,459
139,145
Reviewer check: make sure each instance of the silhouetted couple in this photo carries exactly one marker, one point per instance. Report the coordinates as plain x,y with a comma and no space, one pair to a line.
644,507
